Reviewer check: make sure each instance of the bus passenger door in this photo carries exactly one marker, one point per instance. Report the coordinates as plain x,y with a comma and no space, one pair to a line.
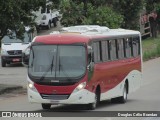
90,64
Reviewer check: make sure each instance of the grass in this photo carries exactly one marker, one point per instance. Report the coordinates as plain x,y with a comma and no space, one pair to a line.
151,48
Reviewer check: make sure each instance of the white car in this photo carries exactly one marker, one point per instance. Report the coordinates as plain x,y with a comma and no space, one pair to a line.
12,47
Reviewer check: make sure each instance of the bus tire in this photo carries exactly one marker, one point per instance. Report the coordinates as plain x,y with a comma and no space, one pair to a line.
3,63
93,105
46,106
123,98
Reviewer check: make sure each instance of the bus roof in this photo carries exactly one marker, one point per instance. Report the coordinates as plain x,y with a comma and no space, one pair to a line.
83,33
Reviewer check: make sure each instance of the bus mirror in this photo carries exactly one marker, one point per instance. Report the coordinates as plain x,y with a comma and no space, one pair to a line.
90,66
92,57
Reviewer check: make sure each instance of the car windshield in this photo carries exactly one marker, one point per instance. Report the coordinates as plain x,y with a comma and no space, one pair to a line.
57,61
27,37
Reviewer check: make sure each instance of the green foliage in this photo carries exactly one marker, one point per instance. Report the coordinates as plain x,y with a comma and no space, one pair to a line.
130,9
55,4
15,12
151,5
73,14
103,16
115,13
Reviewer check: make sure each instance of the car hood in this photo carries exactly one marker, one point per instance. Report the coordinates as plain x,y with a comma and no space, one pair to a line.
14,46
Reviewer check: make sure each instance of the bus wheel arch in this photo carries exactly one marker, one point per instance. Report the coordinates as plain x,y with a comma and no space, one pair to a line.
92,106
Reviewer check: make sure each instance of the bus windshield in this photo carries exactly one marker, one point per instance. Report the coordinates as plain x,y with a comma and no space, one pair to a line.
62,62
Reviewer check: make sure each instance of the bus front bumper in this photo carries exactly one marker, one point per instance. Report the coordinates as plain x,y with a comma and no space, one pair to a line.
81,97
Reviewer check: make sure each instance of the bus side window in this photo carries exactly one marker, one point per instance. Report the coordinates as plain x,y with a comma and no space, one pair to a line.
131,45
120,48
105,51
128,47
96,49
136,46
109,48
113,50
117,48
139,46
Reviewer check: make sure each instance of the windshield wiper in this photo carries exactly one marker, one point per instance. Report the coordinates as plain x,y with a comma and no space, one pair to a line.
52,63
64,72
31,49
49,68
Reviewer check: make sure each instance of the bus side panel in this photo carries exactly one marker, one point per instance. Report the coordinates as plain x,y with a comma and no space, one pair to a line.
112,75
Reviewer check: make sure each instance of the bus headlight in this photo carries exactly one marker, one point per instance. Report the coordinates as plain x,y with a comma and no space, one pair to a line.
31,86
80,87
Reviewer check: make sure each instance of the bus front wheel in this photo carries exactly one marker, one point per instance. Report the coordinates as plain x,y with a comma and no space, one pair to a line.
93,105
46,106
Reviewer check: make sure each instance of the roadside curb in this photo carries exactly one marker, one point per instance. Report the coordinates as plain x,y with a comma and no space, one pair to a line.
9,88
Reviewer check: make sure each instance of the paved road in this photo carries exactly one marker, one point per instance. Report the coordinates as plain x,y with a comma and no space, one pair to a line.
147,98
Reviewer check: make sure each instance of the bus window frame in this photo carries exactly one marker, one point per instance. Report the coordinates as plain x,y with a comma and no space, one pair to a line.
108,39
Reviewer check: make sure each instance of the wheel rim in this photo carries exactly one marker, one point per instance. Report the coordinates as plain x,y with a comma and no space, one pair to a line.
95,101
125,93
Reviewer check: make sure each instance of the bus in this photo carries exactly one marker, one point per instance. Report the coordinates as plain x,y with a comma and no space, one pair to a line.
84,64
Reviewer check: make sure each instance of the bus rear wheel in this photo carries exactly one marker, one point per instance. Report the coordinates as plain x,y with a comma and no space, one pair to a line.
46,106
123,98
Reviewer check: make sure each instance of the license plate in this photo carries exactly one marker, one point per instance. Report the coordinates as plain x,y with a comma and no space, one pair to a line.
54,101
16,60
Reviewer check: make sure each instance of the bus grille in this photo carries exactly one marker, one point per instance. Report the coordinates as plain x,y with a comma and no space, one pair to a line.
54,97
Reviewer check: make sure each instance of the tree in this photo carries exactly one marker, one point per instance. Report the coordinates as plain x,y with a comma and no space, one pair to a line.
151,5
56,3
104,16
130,9
72,13
76,13
16,13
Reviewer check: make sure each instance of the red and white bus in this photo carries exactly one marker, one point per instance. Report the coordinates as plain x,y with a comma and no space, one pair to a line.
84,65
